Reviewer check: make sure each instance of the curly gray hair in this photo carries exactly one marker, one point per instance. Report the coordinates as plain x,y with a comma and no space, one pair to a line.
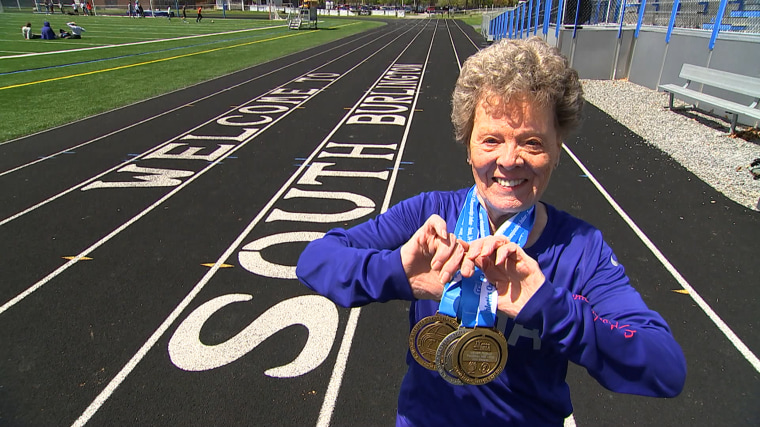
517,69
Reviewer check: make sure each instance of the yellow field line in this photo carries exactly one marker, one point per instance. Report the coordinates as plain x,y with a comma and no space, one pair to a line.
148,62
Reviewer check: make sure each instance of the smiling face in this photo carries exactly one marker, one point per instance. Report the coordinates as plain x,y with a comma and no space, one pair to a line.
513,150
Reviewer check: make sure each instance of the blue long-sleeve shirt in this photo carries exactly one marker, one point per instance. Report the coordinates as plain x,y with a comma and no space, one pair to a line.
586,312
47,33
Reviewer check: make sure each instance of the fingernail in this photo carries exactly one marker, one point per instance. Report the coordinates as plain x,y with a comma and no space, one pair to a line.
444,277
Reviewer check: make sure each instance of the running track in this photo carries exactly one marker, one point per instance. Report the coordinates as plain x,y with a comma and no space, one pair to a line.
147,253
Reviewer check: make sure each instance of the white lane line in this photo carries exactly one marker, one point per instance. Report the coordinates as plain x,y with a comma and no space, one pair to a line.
108,46
339,369
135,360
722,326
466,35
147,210
456,55
120,165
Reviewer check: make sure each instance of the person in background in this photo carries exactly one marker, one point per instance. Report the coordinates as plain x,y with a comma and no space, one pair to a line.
76,31
200,14
47,33
169,12
89,8
559,284
184,13
26,31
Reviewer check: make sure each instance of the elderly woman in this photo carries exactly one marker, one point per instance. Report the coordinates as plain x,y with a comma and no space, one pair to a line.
564,293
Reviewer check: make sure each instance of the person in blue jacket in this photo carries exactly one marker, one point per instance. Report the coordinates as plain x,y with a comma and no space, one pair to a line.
565,294
47,33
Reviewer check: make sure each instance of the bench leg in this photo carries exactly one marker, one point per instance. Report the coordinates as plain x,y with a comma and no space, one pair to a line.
734,118
670,101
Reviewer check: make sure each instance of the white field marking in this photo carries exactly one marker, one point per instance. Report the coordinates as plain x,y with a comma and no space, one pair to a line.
465,34
108,46
84,183
456,55
339,369
180,187
43,158
143,351
735,340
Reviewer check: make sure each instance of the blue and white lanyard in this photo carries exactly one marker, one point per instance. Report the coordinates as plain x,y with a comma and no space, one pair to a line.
473,299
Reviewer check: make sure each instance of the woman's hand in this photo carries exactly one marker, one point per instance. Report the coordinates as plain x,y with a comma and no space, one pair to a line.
516,275
431,258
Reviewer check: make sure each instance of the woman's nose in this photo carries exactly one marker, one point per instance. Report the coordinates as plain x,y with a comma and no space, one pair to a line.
510,157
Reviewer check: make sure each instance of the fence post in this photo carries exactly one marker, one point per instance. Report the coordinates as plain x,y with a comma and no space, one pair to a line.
530,13
535,21
501,25
622,17
672,22
642,6
513,23
575,22
607,14
596,12
717,23
507,24
518,22
559,18
618,10
492,27
547,16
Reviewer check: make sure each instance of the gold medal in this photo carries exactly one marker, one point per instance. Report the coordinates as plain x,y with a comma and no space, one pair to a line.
427,335
444,362
479,355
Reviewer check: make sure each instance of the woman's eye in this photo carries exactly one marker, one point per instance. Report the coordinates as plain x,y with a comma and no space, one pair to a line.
534,143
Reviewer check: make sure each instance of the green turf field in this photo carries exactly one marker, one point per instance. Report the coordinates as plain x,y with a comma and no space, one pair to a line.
121,60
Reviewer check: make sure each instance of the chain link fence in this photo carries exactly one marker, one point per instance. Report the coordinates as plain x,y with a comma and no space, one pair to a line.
741,16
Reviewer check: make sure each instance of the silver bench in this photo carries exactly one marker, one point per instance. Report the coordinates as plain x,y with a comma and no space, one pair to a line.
731,82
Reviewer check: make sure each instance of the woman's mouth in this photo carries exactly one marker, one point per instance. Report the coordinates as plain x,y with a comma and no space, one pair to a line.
508,182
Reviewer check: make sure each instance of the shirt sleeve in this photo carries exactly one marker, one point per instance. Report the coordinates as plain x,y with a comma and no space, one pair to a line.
602,324
361,265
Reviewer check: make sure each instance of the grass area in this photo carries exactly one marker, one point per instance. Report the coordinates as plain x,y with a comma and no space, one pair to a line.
473,20
119,61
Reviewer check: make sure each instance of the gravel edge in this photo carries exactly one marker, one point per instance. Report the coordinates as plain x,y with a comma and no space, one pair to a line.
696,140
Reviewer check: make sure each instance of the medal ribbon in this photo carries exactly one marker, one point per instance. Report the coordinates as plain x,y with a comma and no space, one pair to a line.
473,299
